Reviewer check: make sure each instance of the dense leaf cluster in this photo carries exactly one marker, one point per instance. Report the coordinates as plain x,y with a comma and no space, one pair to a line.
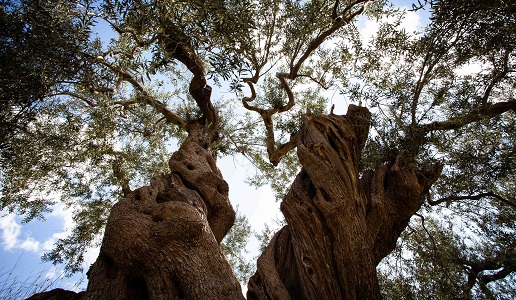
435,94
38,49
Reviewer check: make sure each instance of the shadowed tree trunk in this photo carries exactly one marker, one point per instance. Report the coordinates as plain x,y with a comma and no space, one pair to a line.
339,226
162,241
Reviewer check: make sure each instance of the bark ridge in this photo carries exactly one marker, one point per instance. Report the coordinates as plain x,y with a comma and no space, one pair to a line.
340,224
162,241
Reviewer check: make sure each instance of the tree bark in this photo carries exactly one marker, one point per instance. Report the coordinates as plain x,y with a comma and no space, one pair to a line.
339,225
162,242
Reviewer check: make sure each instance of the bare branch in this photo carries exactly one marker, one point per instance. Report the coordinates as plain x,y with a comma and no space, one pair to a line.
140,42
290,104
125,104
317,81
505,262
497,78
245,101
334,14
472,197
74,95
276,153
432,58
426,230
504,272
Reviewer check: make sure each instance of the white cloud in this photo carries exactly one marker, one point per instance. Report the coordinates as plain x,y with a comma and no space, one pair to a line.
12,237
66,214
266,209
90,257
469,69
411,22
11,232
29,244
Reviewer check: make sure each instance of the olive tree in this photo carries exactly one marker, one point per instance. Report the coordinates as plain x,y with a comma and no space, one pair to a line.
102,139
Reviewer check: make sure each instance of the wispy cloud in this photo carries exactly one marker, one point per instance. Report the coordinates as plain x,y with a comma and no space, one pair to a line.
59,211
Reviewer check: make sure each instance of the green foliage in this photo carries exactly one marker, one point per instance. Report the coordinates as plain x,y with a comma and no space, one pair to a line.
435,257
484,27
268,232
57,30
87,117
429,271
234,245
450,74
279,177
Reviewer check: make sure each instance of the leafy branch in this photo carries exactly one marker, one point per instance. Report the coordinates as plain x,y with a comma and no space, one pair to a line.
340,19
450,199
475,116
169,115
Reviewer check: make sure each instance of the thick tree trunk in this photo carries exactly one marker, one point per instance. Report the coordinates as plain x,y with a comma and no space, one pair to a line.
162,241
339,226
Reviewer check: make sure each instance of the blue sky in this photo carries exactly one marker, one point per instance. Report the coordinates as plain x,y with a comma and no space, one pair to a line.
21,246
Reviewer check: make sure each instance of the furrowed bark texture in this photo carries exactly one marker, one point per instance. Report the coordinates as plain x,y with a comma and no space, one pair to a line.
162,241
339,225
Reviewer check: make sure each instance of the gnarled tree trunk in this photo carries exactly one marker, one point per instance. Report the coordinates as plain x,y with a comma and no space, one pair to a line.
339,225
162,241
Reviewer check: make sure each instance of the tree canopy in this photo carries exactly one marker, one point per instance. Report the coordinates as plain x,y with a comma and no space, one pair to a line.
89,114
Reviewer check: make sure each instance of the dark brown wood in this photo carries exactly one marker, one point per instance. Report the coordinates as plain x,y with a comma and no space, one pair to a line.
57,294
339,225
162,241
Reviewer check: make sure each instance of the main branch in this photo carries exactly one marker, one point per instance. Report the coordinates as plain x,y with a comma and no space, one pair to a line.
475,116
179,46
339,225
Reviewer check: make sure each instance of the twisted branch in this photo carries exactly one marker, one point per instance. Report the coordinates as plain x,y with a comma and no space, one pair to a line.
179,46
276,153
474,269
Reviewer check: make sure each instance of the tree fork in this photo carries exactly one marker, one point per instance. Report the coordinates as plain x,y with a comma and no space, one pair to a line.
162,241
